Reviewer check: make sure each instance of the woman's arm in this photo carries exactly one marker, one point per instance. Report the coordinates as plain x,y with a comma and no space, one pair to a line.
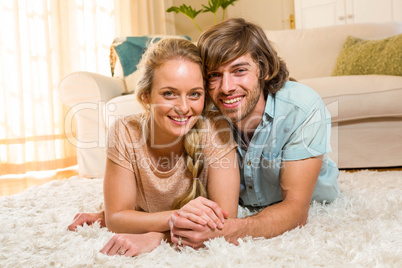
120,197
224,183
119,189
223,192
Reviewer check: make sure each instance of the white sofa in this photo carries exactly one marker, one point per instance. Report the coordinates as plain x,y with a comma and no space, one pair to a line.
365,109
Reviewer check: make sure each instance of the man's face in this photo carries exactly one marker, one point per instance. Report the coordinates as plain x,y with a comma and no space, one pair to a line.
234,88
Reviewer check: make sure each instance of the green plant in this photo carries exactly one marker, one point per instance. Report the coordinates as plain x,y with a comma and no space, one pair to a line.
213,7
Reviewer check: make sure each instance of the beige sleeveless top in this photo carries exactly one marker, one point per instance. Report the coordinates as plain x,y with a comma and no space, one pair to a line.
156,190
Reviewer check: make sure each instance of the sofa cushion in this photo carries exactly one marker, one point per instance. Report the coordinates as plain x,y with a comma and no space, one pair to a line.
360,56
311,53
359,96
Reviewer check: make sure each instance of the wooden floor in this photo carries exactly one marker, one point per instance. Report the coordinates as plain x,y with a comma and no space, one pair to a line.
13,185
10,186
375,169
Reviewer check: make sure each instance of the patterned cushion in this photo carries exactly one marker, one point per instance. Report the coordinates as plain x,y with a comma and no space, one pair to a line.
360,57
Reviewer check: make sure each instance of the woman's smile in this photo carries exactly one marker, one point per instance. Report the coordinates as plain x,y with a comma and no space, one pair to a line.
180,120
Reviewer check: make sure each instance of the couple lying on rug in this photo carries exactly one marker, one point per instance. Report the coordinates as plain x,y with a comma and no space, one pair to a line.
173,173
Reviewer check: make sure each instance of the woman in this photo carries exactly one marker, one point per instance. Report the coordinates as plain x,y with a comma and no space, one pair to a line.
160,160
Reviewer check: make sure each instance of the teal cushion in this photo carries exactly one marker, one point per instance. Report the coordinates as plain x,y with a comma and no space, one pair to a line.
130,51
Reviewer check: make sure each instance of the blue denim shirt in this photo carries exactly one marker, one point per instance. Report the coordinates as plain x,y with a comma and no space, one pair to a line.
296,125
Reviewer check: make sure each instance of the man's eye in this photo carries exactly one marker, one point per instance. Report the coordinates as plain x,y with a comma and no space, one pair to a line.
240,71
213,76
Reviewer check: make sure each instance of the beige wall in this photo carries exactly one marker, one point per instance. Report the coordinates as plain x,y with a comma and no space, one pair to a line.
269,14
184,25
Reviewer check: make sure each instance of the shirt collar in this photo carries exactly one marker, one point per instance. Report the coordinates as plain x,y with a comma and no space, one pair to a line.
269,111
237,137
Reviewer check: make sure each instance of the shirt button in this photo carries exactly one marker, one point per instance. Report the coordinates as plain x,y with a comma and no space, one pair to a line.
250,187
248,163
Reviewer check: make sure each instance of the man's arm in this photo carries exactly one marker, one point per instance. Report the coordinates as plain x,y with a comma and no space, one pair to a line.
298,179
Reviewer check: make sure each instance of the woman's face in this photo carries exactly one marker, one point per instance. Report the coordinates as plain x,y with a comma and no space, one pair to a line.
176,100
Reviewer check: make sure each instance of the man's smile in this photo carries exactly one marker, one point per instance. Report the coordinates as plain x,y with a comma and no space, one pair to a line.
231,102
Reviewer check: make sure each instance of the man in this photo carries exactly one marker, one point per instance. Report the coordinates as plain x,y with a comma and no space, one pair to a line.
282,129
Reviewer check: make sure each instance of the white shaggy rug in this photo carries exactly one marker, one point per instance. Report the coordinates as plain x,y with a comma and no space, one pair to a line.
362,228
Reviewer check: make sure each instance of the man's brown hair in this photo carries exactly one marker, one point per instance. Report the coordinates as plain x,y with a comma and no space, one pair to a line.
236,37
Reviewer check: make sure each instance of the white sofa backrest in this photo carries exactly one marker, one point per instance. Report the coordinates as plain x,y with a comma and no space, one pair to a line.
311,53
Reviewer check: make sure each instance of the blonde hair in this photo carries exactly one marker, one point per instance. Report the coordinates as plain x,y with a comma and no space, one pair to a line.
154,57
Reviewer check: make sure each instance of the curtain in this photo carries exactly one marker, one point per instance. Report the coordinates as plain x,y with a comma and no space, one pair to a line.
40,42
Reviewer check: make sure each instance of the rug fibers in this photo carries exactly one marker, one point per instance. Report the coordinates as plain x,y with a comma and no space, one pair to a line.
362,228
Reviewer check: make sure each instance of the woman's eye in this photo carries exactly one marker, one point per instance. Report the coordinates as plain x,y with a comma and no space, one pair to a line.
168,94
195,95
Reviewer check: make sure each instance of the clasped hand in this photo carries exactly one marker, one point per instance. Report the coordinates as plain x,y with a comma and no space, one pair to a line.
196,222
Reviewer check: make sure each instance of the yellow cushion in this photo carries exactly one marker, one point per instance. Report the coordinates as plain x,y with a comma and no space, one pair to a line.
359,57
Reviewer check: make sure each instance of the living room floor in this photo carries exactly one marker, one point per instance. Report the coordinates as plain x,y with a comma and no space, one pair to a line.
14,185
10,185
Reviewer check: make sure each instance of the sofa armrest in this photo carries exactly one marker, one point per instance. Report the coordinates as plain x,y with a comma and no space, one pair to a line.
79,87
87,93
